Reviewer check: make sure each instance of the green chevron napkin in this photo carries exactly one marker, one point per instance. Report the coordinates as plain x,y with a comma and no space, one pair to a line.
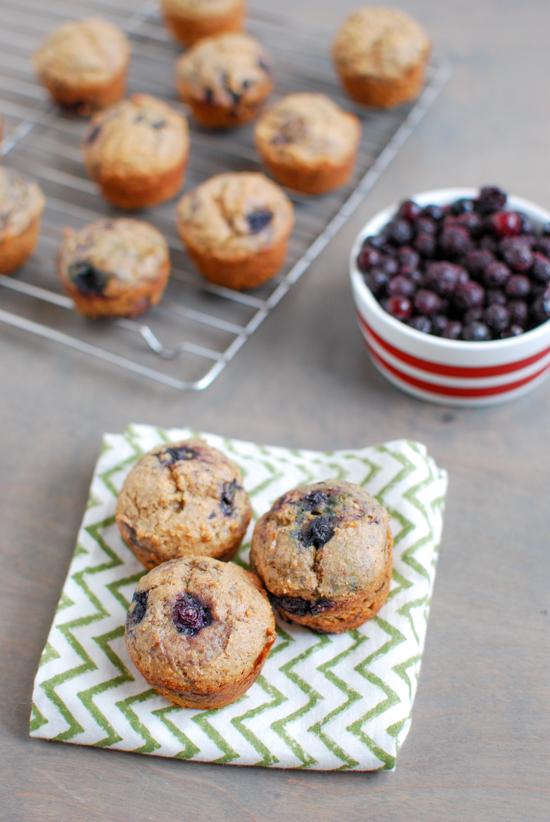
322,702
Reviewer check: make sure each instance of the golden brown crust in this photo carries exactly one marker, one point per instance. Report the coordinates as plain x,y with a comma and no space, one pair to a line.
85,99
386,92
83,64
324,553
308,143
217,225
137,152
209,654
183,499
188,29
16,249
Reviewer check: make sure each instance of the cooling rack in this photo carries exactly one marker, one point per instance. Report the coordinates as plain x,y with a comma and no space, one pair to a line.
188,339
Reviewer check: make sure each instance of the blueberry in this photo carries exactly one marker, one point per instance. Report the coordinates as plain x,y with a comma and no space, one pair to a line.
519,311
420,323
468,295
377,281
435,212
516,253
190,615
455,241
490,199
506,223
401,285
442,277
227,499
425,225
400,231
518,286
439,324
497,317
399,307
495,296
408,259
314,501
425,244
177,454
427,302
409,210
476,332
477,260
541,307
496,274
137,609
301,607
389,265
259,219
462,206
368,258
452,330
88,279
513,330
541,267
317,532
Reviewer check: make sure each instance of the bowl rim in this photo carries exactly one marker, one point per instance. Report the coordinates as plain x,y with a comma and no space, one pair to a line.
439,196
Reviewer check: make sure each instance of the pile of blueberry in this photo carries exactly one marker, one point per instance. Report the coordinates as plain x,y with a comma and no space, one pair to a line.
470,270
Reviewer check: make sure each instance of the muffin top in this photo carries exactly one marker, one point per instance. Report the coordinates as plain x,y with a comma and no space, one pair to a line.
308,129
140,135
201,8
83,53
21,202
379,42
183,498
323,541
197,624
108,256
225,71
235,214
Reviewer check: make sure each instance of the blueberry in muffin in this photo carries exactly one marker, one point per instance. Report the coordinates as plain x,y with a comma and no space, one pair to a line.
199,631
324,553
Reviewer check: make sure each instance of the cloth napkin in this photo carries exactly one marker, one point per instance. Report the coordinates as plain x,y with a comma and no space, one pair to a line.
322,702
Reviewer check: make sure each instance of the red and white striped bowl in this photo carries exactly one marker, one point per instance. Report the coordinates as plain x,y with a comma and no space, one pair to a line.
452,372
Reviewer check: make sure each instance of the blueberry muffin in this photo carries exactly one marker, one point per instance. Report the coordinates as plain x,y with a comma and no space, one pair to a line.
324,553
21,207
183,499
137,152
199,631
114,268
236,228
191,20
381,55
225,79
83,64
308,143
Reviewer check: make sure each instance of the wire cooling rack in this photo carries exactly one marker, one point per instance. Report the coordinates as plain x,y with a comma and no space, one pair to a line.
188,339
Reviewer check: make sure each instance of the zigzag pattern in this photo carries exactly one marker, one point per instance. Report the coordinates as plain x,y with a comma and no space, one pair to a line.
330,702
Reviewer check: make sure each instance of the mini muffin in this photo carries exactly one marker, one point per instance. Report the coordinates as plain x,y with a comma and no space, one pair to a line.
83,64
236,228
191,20
21,207
225,79
137,152
308,143
183,499
199,631
114,268
324,553
381,55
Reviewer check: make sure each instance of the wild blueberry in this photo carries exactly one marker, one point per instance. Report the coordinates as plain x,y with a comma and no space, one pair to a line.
409,210
462,206
227,499
455,240
491,198
301,607
477,260
421,323
400,231
442,277
259,219
506,223
452,330
425,225
401,285
519,311
469,295
425,244
516,253
88,279
377,281
137,609
513,330
399,307
494,296
497,317
408,259
439,324
476,332
496,274
314,501
178,454
190,615
317,532
541,267
368,258
518,286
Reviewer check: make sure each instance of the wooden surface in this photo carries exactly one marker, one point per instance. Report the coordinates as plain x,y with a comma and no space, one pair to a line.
479,746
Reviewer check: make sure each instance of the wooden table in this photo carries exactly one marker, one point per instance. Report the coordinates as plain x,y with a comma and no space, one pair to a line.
479,746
